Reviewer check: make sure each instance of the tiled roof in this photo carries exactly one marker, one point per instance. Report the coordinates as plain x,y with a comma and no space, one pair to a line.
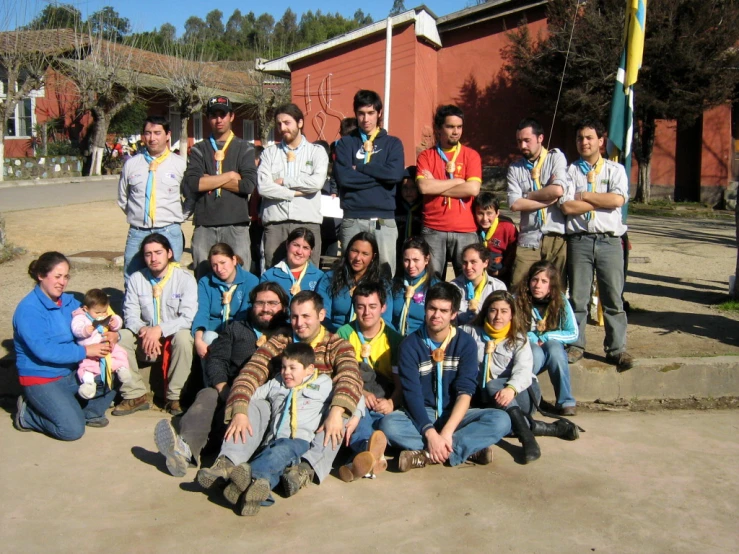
49,41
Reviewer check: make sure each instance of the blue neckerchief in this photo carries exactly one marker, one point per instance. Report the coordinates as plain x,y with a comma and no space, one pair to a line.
257,332
443,157
149,187
213,143
412,282
528,164
365,138
224,288
153,281
285,412
482,234
363,341
439,370
100,329
584,168
469,288
485,339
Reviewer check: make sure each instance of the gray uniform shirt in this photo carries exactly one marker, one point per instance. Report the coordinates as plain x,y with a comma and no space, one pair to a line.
306,174
520,182
132,190
612,178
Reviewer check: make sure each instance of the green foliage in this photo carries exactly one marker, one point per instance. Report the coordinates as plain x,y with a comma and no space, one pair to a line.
109,24
130,120
398,7
729,306
56,16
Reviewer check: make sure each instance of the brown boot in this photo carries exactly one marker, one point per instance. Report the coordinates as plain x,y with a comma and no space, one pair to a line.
482,457
173,407
413,459
217,474
377,445
361,466
131,405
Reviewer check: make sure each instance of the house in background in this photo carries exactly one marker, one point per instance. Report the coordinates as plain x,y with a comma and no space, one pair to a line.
457,59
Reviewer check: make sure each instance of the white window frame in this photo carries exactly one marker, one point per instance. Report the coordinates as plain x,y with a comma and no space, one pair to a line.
248,128
197,127
270,137
16,115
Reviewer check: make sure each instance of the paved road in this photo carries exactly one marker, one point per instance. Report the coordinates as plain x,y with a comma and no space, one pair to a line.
57,194
635,482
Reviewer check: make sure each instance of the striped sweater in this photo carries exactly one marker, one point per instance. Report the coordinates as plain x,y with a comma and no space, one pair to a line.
334,357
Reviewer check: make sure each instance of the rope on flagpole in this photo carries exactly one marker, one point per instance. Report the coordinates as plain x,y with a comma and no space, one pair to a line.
564,69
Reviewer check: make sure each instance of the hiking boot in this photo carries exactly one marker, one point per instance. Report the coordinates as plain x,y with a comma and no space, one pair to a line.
219,473
561,428
131,405
377,445
623,361
568,411
531,450
98,422
252,500
574,354
413,459
483,457
360,467
20,407
240,480
171,445
296,477
173,407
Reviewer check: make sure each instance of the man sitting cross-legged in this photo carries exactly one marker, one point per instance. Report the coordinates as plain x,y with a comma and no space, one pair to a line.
249,419
376,346
438,371
227,354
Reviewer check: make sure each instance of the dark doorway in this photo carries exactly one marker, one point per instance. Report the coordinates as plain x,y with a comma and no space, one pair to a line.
735,136
688,161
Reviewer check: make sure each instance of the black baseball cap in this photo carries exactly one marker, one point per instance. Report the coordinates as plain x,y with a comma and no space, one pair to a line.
219,103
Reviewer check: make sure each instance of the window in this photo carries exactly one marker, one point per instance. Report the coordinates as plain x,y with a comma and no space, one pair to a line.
197,127
20,124
270,137
175,125
249,130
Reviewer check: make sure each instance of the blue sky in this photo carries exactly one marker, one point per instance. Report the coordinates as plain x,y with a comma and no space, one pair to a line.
145,16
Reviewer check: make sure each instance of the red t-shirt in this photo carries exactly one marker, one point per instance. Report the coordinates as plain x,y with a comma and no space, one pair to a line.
449,214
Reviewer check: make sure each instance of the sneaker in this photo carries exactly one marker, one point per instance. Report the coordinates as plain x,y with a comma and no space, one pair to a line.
252,500
20,407
377,445
87,390
568,411
240,480
131,405
574,354
412,459
171,445
173,407
98,422
623,361
361,466
296,477
218,473
483,457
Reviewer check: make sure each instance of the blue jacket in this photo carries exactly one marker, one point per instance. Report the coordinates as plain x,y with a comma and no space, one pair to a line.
567,332
42,334
279,274
417,373
369,190
208,316
339,308
416,310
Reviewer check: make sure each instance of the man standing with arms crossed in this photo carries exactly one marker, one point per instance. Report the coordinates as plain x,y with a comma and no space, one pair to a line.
369,165
536,184
449,177
595,228
149,193
220,176
291,176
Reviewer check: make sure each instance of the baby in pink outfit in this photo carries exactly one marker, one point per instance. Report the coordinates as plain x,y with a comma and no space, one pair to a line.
88,323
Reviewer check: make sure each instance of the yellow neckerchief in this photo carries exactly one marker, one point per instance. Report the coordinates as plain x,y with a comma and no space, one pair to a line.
536,177
107,357
294,403
219,163
591,175
151,200
490,232
371,140
375,352
541,325
497,336
157,288
319,337
295,288
410,290
226,302
453,163
438,357
474,302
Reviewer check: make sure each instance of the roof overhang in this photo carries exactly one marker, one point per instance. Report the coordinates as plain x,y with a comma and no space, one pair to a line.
492,9
425,27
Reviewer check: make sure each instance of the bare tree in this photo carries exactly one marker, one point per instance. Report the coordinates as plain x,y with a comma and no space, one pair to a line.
106,82
187,77
265,93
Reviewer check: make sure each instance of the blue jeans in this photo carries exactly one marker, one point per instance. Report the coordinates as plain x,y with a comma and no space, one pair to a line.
386,236
55,408
522,399
274,458
132,260
367,425
553,357
447,246
478,429
604,254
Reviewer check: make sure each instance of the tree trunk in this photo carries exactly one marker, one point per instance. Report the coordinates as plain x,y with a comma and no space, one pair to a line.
183,136
3,239
97,145
2,151
643,147
643,187
734,293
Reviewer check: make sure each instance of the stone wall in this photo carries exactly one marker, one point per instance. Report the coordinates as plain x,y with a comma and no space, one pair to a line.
45,167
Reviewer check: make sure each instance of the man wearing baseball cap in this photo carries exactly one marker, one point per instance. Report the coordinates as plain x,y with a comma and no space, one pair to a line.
219,178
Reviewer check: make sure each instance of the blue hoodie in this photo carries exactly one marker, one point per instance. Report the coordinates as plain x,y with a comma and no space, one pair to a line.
280,274
42,334
208,316
416,309
339,308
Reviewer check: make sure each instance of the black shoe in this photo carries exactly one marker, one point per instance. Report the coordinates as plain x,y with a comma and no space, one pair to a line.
97,422
561,428
296,477
531,450
20,405
574,354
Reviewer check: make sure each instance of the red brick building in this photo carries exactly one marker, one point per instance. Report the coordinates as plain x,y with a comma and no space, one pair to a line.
457,59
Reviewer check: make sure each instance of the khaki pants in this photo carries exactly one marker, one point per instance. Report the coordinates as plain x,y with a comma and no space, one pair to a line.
179,364
553,248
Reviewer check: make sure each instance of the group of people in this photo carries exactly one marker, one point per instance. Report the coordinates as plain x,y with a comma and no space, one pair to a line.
378,351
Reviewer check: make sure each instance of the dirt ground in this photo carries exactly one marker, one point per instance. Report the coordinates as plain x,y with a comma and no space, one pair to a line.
679,272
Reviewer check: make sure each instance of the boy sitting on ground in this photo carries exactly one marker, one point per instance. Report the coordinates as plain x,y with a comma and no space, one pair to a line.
498,234
297,397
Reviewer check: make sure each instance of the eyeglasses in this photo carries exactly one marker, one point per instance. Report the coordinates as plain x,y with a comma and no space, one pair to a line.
271,304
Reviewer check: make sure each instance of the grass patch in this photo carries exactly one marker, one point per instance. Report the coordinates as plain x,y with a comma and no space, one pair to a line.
667,208
729,306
